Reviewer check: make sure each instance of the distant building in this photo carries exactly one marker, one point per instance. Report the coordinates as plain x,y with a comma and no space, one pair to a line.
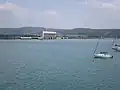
75,36
48,35
25,38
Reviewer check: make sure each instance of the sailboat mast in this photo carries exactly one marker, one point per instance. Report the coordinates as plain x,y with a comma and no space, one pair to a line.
96,47
114,40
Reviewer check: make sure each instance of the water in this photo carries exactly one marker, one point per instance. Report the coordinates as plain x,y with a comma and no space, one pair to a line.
57,65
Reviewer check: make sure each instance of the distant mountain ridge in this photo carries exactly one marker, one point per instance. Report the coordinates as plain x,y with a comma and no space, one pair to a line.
75,31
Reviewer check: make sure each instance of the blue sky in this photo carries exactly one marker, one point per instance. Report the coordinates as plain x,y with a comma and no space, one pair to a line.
60,13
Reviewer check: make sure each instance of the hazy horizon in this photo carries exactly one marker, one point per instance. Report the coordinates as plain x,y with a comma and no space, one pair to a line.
62,14
56,28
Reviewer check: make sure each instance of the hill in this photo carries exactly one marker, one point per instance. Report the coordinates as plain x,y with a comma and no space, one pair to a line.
75,31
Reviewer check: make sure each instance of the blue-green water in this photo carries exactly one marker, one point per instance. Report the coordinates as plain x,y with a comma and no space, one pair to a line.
57,65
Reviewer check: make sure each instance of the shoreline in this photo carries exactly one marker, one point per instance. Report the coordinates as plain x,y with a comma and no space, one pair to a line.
58,39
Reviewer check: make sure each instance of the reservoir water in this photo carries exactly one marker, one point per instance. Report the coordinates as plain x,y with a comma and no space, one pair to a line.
57,65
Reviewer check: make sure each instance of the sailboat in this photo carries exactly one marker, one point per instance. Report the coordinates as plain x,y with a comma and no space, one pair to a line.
101,54
115,47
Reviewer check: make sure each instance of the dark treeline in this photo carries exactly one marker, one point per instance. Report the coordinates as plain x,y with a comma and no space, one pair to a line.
15,36
16,33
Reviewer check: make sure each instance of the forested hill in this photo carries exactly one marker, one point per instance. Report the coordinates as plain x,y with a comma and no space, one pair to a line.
75,31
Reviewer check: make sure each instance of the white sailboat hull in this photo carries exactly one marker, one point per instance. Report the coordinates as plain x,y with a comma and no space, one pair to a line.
116,48
102,56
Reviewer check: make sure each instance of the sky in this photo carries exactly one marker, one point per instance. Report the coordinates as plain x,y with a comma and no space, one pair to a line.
60,13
